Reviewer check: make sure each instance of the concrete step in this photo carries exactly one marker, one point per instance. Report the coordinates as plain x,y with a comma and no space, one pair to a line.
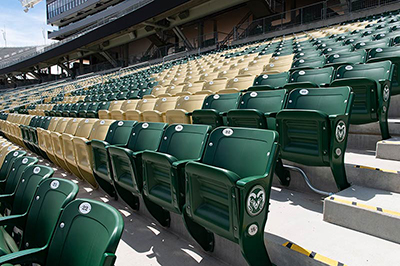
372,211
365,137
388,149
394,108
362,169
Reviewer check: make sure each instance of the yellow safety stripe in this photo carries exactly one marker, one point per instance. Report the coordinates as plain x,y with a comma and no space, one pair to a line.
377,169
364,206
313,255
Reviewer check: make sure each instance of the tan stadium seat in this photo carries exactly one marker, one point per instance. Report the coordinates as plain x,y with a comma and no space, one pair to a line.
142,105
275,68
174,90
185,105
239,83
83,149
208,76
161,107
192,88
230,73
83,130
156,91
214,86
54,140
58,148
41,133
127,105
106,114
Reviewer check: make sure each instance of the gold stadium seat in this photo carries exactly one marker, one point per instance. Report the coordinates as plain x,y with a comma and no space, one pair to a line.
192,88
185,105
173,90
209,76
43,133
161,107
275,68
83,130
156,91
214,86
142,105
239,83
230,73
83,149
106,114
127,105
56,138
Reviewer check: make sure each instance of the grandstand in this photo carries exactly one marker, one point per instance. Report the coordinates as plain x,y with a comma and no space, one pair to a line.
277,143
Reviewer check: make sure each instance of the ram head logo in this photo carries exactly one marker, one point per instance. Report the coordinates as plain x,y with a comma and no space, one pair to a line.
256,200
340,131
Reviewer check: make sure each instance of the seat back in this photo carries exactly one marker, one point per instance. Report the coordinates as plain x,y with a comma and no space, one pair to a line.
347,58
264,101
119,132
193,87
146,104
85,127
318,76
72,125
221,102
241,82
9,162
216,85
189,103
53,123
62,125
52,195
165,103
102,227
272,80
100,129
146,136
375,71
14,176
27,186
184,142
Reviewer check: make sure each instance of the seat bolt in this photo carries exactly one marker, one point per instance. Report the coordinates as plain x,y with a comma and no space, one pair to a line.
26,244
235,228
37,197
62,225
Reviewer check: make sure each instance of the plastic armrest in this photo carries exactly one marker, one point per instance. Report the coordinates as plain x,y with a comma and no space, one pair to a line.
13,220
108,259
216,173
34,255
249,181
157,157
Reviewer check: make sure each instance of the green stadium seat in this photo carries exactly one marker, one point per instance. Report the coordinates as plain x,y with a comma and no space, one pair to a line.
313,128
371,84
257,109
392,54
312,62
338,59
310,78
38,223
101,225
228,190
118,135
126,162
163,170
213,111
8,164
270,81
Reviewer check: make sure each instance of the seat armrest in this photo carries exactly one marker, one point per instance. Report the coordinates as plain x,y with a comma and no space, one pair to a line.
157,157
213,172
249,181
13,220
33,255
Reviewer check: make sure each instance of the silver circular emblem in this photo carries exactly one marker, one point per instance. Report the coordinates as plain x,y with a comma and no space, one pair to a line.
85,208
64,119
216,96
348,67
120,123
302,72
145,125
178,127
145,100
211,82
301,54
303,91
301,60
340,131
265,76
74,120
9,148
164,99
15,153
54,184
255,200
227,132
252,230
253,94
338,151
186,98
36,170
235,80
24,161
379,50
386,93
271,65
336,56
86,120
102,122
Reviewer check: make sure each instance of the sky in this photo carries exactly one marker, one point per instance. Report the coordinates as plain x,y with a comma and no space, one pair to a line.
23,29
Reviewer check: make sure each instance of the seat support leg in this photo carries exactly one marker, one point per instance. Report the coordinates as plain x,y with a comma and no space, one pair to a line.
282,173
127,197
202,236
161,215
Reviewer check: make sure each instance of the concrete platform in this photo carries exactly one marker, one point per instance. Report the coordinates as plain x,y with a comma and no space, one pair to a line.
372,211
388,149
362,169
365,137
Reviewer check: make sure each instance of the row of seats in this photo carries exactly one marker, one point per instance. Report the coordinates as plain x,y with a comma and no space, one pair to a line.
43,223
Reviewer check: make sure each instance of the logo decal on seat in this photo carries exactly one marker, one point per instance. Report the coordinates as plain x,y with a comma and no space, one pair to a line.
303,92
85,208
55,184
256,200
386,93
179,128
227,132
340,131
